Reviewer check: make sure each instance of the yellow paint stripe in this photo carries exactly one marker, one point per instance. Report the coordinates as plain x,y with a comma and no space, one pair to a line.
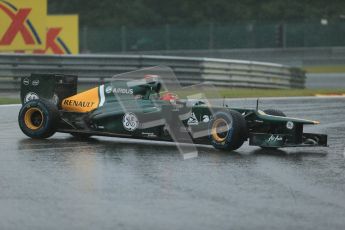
83,102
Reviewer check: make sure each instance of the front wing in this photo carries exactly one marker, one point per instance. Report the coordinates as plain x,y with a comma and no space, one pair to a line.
287,140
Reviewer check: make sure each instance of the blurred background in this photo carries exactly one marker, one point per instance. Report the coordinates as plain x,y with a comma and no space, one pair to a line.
301,33
307,37
151,25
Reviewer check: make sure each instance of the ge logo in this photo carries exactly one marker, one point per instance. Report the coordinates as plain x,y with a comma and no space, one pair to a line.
130,121
30,96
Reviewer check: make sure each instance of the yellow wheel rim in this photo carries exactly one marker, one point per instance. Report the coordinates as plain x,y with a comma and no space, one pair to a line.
33,118
219,131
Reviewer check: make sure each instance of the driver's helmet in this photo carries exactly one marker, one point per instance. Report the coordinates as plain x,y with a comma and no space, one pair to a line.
151,78
169,96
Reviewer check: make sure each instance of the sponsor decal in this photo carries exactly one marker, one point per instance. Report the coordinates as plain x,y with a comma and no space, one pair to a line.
290,125
193,120
30,96
26,81
122,91
274,138
21,24
205,118
130,121
54,43
149,134
109,89
35,82
82,104
61,35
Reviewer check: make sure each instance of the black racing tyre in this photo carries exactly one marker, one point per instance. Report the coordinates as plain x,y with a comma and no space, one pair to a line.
38,118
275,112
227,130
81,136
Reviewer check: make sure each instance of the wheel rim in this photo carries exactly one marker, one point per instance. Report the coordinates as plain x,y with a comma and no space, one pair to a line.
33,118
219,131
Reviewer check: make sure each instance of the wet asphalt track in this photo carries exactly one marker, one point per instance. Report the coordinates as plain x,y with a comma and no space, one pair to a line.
109,183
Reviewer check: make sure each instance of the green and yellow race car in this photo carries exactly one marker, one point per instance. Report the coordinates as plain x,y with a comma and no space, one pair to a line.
140,105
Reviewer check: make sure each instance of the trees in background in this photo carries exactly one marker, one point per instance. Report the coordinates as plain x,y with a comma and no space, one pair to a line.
192,12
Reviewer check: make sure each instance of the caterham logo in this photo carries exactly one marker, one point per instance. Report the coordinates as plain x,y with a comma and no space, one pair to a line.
83,104
130,121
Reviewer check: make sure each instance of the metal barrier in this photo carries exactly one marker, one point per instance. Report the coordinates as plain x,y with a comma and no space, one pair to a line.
92,69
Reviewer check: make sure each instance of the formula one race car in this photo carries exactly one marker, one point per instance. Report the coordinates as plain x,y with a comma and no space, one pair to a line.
135,105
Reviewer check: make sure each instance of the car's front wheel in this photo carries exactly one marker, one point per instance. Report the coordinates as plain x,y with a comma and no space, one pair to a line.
227,130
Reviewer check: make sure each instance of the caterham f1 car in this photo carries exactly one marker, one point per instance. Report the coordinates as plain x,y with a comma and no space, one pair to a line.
140,108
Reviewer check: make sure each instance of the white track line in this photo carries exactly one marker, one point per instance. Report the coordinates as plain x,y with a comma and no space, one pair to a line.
284,98
11,105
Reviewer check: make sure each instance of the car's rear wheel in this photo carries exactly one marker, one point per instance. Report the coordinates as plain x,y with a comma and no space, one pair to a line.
38,118
227,130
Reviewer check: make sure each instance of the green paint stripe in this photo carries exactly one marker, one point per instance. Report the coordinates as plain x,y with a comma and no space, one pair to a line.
325,69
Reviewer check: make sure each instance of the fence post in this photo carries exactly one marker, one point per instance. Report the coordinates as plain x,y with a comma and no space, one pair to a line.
284,35
280,34
167,37
123,39
211,36
304,34
84,47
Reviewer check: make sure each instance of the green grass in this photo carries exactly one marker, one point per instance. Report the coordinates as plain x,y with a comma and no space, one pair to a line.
241,93
245,93
238,93
6,101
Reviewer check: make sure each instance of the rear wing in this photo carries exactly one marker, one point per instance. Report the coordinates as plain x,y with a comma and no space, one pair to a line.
53,87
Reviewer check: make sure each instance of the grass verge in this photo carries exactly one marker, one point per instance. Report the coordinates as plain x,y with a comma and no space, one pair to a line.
7,101
238,93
